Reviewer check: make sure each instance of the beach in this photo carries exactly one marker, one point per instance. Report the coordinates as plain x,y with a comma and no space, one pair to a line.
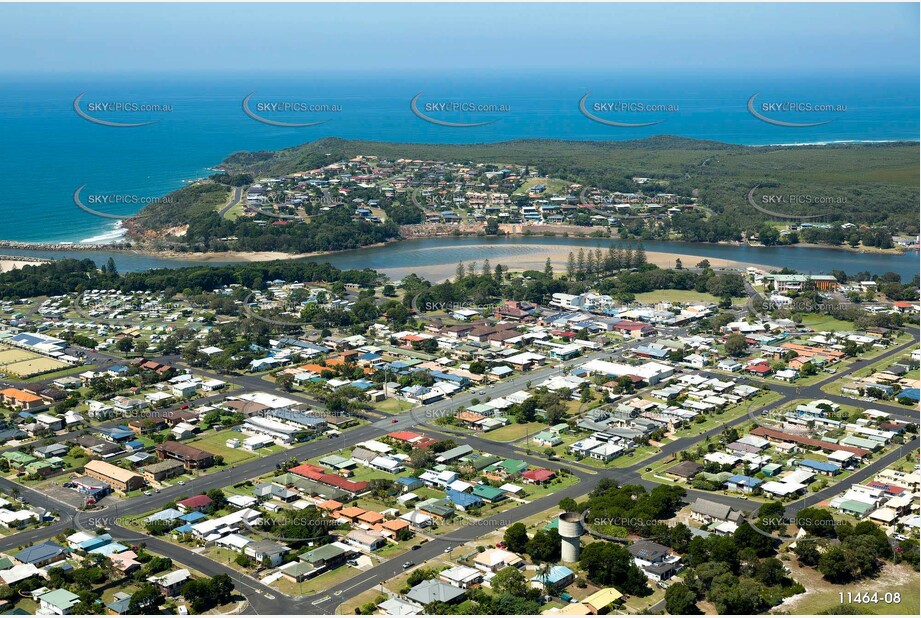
8,263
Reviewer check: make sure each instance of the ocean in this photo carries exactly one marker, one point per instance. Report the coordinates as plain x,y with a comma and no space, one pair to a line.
50,150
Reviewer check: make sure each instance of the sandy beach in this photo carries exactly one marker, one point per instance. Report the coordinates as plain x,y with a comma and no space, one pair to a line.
8,263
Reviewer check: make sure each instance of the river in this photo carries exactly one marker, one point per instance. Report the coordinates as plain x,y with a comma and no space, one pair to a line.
437,258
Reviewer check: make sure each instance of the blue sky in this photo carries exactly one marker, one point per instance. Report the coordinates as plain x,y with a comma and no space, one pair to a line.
304,38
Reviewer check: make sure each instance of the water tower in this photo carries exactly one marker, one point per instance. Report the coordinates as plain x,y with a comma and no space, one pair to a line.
570,529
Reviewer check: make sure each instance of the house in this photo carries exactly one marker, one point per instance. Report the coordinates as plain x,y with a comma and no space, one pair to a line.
20,400
433,590
365,540
40,555
539,476
742,483
58,602
686,470
317,561
708,511
170,583
557,578
162,470
825,468
119,478
601,600
195,503
488,493
547,439
192,458
266,552
395,606
51,450
494,560
655,560
461,576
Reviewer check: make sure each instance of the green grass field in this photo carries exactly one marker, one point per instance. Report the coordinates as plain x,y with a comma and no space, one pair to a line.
676,296
515,432
216,444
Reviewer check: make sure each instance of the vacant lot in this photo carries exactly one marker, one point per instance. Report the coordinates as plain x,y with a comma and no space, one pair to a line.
820,594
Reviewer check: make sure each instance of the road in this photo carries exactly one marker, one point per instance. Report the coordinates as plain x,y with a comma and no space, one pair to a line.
235,198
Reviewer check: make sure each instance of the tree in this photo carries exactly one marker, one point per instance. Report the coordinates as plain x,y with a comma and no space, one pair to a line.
545,546
148,597
569,504
736,345
679,599
125,344
516,538
510,581
678,264
608,564
834,565
285,381
807,551
548,269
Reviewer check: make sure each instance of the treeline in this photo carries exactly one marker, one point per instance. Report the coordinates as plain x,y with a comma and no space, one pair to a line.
70,276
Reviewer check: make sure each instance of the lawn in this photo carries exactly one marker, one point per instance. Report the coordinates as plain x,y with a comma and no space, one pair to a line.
820,322
640,453
676,296
217,444
392,406
539,491
514,432
327,582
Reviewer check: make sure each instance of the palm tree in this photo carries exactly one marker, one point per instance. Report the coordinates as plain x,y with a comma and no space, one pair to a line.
543,575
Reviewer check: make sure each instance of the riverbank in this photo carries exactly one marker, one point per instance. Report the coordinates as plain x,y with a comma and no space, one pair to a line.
437,258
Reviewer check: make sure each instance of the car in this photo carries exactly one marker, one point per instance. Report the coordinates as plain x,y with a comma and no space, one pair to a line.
148,493
414,547
184,406
181,483
156,491
408,564
394,420
449,549
648,469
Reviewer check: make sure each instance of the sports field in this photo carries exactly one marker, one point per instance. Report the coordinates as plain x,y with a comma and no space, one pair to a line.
23,363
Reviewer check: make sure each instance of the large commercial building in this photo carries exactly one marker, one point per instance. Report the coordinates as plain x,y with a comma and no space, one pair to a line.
119,478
